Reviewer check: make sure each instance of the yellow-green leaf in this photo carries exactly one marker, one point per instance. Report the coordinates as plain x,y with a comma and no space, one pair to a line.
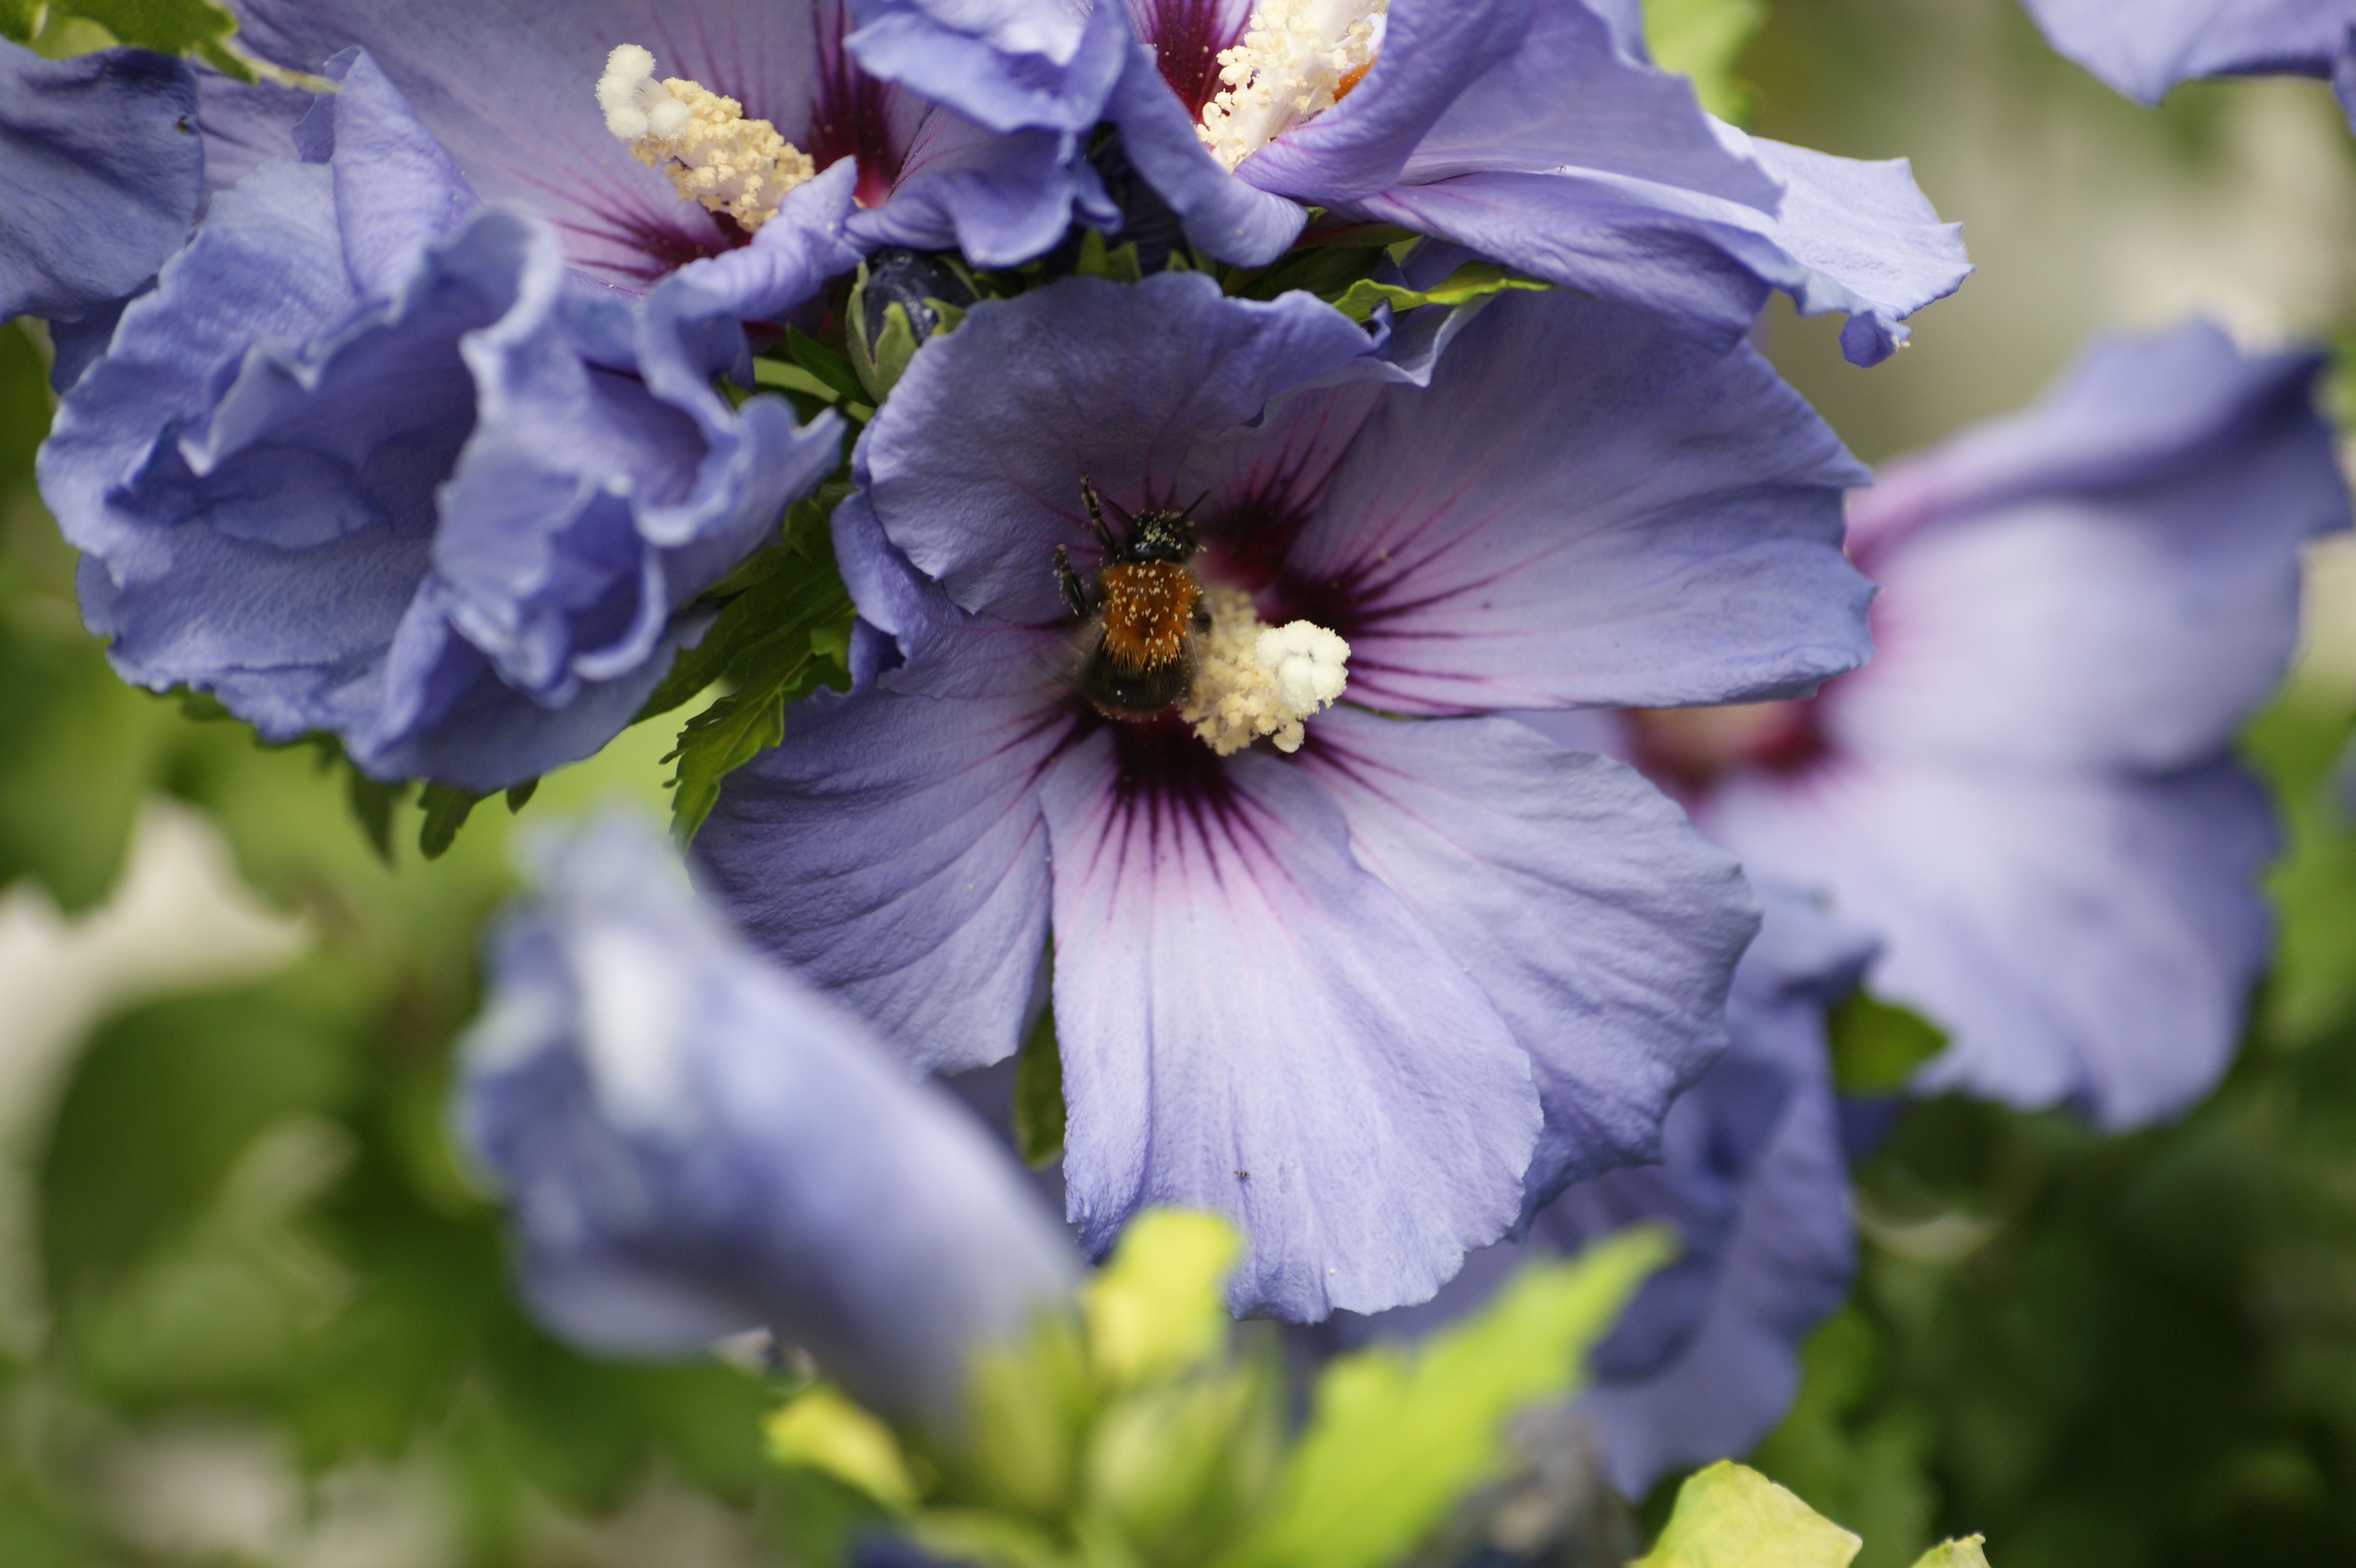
1704,39
168,26
1964,1554
1473,279
1729,1516
1397,1439
1157,1307
820,1430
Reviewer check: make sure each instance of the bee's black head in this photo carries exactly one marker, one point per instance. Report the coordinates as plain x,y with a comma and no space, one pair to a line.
1160,536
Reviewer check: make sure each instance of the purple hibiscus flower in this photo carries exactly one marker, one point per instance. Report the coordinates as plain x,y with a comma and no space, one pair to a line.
371,459
695,1144
1754,1178
2145,48
100,174
530,100
1373,986
2029,798
1520,129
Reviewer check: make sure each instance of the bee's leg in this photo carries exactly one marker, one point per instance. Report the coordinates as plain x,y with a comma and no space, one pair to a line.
1095,517
1075,593
1202,616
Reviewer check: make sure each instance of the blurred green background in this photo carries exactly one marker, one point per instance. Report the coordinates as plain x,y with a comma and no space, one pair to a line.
251,1313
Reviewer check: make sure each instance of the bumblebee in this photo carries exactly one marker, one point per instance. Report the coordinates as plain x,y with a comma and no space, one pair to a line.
1142,611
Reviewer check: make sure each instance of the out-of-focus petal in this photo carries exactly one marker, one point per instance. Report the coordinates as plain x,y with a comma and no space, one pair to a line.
2110,578
2146,48
2084,939
693,1142
1699,1374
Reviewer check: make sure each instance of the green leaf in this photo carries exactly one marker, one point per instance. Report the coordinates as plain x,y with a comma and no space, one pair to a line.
1704,39
373,802
446,808
1039,1094
168,26
161,1106
1398,1438
724,737
519,795
1157,1307
1732,1517
831,368
785,631
1097,259
1473,279
1325,270
17,18
791,585
1877,1046
1964,1554
2296,744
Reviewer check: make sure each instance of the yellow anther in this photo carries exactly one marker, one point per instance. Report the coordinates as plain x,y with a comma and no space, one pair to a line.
699,140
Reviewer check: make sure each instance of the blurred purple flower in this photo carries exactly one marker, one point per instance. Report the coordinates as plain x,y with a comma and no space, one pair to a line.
1371,999
1516,128
2143,48
2030,796
695,1143
369,460
101,170
1753,1180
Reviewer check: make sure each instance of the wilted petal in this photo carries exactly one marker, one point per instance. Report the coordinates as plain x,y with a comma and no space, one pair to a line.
795,254
365,442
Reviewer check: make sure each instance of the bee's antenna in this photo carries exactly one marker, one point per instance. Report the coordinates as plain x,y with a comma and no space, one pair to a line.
1198,500
1095,517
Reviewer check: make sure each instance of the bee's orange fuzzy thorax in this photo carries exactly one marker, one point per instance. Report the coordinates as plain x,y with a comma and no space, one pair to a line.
1147,605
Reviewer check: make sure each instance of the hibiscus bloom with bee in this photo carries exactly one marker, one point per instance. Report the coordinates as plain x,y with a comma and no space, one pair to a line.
1372,976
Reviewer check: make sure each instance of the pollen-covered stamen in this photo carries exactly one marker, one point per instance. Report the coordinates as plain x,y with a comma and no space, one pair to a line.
1296,57
700,141
1252,680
